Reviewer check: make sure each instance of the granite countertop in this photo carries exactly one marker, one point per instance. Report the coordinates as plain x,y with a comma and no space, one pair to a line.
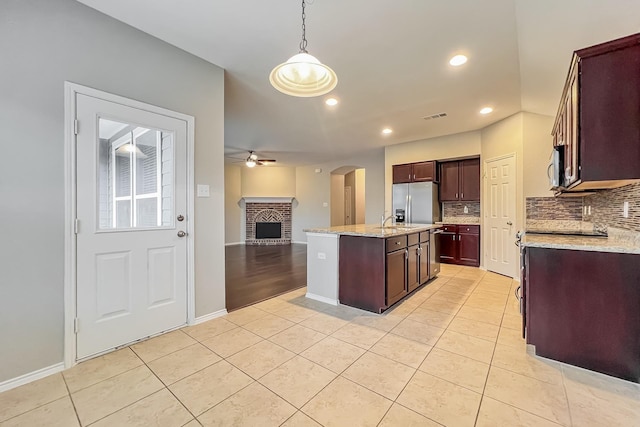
374,230
581,243
460,221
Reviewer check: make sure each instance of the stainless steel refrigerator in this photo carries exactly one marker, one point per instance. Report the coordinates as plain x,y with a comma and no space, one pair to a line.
416,203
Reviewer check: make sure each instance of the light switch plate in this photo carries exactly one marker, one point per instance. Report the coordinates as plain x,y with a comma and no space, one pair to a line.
203,190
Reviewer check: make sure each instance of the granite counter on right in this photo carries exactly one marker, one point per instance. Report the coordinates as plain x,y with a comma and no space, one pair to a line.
609,243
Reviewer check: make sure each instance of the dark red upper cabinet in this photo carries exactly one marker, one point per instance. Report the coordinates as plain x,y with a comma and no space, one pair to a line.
460,180
598,120
449,182
414,172
470,179
402,173
424,171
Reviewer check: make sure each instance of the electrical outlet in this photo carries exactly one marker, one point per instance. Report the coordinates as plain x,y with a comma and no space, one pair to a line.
466,209
584,210
589,210
625,210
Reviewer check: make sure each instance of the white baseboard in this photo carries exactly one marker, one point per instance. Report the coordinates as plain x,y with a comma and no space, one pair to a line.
322,299
300,243
209,316
234,244
31,376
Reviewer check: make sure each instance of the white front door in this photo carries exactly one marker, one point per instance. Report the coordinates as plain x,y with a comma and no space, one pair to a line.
500,215
131,278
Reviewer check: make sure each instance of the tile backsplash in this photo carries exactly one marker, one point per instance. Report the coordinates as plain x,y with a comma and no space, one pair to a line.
456,210
554,208
606,209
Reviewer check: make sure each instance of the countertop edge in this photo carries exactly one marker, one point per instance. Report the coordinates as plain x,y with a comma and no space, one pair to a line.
374,233
588,244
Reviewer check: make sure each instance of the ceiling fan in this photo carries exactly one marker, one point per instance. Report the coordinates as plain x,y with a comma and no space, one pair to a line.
253,160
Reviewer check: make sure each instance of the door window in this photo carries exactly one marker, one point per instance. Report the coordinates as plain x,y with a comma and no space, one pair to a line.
135,177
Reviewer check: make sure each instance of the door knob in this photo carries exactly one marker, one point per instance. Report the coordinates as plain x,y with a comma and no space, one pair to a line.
181,233
509,223
180,218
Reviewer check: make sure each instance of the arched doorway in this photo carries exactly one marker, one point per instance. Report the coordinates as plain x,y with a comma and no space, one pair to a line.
347,195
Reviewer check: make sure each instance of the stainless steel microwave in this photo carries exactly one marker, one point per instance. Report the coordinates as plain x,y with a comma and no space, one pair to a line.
555,170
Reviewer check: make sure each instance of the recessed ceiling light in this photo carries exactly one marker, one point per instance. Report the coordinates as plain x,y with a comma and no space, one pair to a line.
387,131
458,60
486,110
331,102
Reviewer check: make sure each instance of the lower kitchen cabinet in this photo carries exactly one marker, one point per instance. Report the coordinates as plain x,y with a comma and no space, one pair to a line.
396,276
375,273
583,308
460,244
413,262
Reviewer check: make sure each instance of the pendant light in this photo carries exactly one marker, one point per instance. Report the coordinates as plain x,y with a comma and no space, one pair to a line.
303,75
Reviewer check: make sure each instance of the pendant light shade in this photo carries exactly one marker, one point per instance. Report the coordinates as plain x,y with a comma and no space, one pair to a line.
303,75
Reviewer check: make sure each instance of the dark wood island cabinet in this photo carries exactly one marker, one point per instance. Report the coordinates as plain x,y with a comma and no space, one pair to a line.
375,273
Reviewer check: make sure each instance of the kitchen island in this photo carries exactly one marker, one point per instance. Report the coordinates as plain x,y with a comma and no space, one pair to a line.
368,266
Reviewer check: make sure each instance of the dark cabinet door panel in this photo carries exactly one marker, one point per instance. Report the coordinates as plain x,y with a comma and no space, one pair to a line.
582,309
424,262
396,276
469,249
449,182
413,268
448,246
470,179
401,173
424,171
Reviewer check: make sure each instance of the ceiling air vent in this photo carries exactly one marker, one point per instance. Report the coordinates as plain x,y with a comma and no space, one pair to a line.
435,116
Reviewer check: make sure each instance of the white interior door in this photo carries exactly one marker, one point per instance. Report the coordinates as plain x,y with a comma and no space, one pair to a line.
501,215
131,275
348,216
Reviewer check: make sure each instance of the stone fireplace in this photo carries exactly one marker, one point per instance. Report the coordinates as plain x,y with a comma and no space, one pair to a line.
268,220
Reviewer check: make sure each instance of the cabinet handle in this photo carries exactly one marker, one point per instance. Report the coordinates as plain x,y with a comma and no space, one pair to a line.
456,195
406,254
462,195
414,176
454,236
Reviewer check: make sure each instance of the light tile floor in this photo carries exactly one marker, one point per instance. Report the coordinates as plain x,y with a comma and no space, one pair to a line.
451,354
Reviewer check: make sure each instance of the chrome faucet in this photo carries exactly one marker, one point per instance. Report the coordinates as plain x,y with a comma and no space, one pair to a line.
384,220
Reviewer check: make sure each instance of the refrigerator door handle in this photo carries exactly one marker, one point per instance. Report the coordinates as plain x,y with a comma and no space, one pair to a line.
410,209
407,217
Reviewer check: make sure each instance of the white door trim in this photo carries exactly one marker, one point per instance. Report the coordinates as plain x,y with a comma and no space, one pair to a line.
70,248
483,209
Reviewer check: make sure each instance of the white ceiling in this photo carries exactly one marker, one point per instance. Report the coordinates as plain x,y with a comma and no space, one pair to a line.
391,58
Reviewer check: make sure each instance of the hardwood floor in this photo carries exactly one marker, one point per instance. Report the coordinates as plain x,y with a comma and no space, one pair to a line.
256,273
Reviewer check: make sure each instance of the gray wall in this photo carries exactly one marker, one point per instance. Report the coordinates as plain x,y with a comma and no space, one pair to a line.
42,44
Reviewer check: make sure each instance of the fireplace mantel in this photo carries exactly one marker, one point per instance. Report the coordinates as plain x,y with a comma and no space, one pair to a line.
267,199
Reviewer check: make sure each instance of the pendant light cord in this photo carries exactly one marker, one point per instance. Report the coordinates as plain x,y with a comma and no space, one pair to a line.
303,43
